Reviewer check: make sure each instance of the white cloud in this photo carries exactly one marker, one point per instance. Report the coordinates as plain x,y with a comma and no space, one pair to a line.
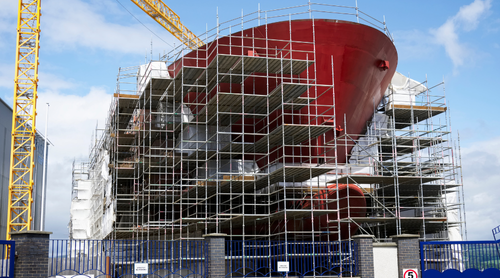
447,36
72,119
7,76
469,15
8,9
8,22
466,19
76,23
47,81
96,25
480,164
51,82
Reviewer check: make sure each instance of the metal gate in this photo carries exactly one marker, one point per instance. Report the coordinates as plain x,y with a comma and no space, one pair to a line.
7,256
459,259
265,258
127,258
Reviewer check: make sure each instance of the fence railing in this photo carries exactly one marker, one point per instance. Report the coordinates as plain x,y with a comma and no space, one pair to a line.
189,258
7,255
459,255
261,258
128,258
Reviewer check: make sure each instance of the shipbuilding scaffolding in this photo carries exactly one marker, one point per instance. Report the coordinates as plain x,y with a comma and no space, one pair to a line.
408,166
193,146
182,174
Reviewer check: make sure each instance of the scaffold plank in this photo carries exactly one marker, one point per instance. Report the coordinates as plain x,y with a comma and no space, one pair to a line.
384,180
412,190
402,114
192,75
286,92
298,103
300,213
407,144
293,135
284,174
238,219
253,105
289,134
155,85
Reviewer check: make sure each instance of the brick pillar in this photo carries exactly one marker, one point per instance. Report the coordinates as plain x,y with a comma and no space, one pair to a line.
216,255
408,252
365,255
32,254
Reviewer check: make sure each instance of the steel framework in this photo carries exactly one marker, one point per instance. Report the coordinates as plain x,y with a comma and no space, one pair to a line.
176,160
24,115
167,18
408,165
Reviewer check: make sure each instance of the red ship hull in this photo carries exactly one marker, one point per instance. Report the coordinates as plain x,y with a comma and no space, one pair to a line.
358,60
363,60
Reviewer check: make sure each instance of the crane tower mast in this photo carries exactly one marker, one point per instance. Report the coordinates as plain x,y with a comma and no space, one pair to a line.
25,96
23,117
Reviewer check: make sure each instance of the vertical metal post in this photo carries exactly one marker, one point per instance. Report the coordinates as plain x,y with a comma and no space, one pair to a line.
243,122
395,169
422,257
45,166
357,11
309,8
12,258
462,185
258,12
217,155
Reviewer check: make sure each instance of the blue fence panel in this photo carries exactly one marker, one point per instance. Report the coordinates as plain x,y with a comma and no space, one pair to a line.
117,258
253,258
7,257
458,257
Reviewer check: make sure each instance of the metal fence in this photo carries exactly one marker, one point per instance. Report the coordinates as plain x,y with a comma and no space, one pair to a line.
7,255
459,255
127,258
280,258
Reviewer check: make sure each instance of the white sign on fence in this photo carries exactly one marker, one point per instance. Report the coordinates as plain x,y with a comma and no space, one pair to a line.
410,273
283,266
141,268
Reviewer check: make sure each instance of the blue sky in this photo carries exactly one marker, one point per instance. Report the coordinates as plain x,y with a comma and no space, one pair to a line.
83,43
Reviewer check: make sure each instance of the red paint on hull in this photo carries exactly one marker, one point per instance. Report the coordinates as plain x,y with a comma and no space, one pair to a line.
356,51
352,204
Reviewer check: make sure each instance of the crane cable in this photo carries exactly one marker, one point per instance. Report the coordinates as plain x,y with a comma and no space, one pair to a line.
143,23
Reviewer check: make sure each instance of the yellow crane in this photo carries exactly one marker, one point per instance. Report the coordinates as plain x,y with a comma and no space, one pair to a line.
23,117
25,95
167,18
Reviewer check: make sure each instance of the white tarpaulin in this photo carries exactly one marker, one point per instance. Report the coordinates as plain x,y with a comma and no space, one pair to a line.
402,90
203,138
154,69
172,114
454,234
80,210
228,167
